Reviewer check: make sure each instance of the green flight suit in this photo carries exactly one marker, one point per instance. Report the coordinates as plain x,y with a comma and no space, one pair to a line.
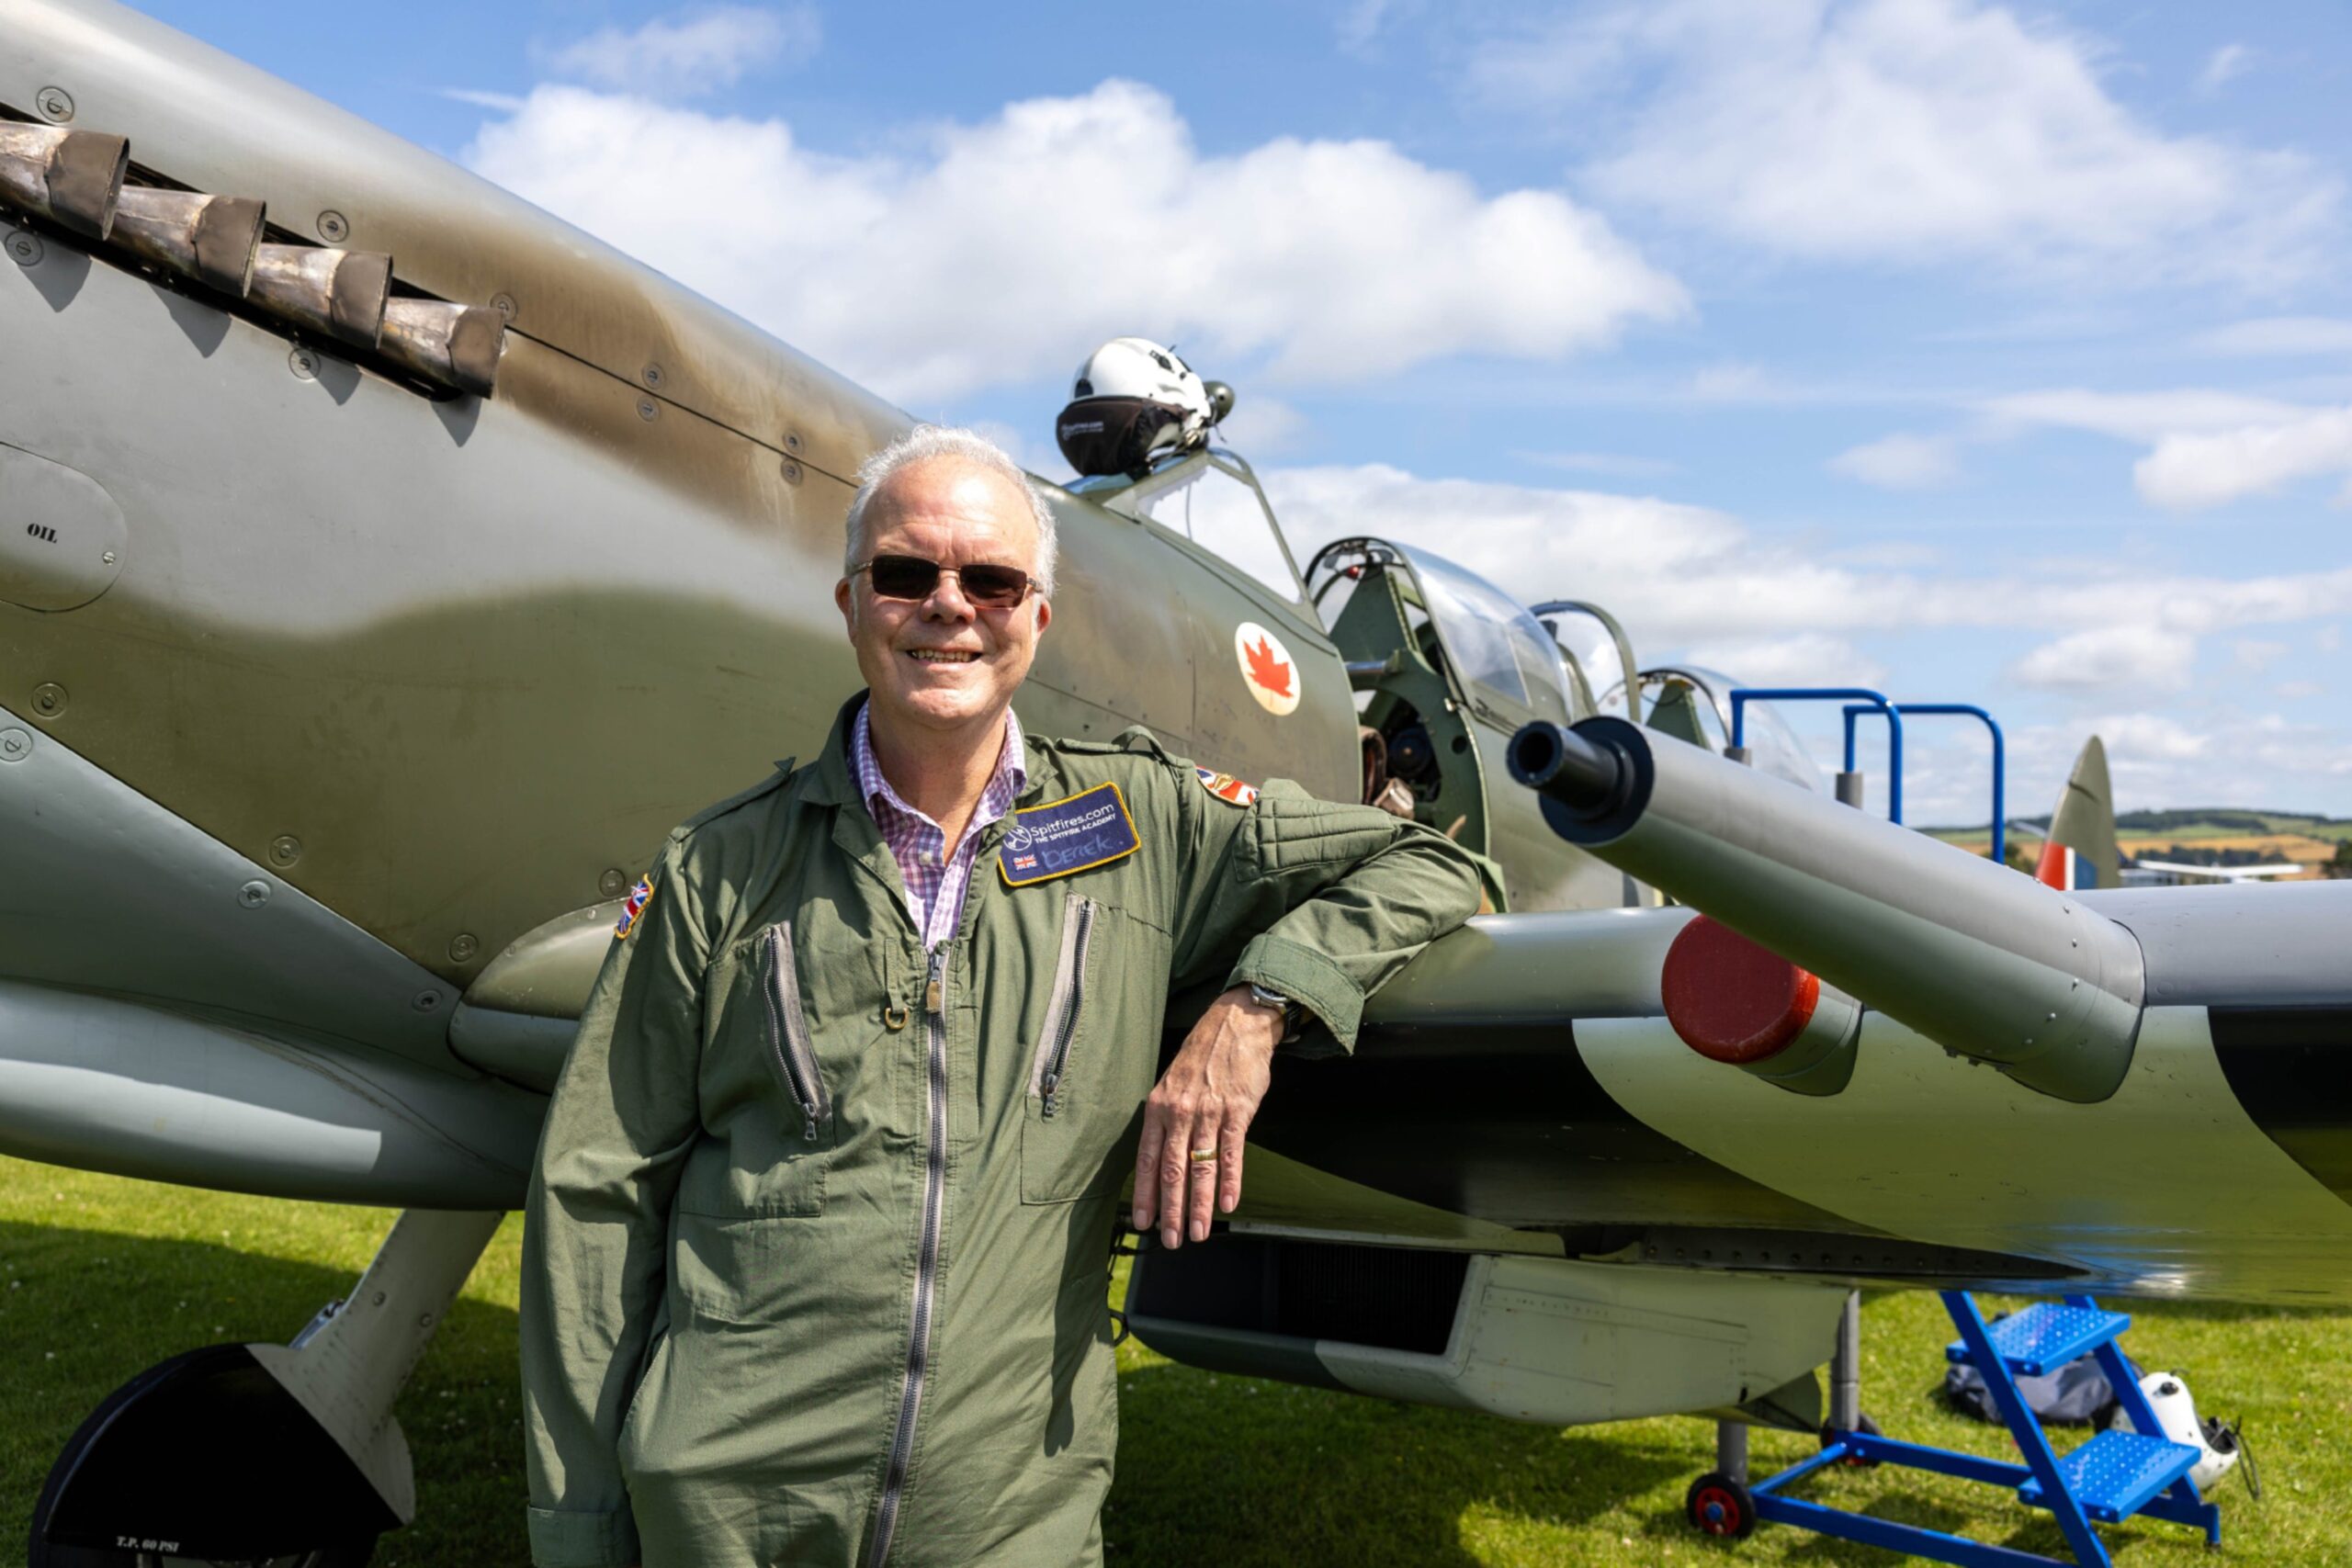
814,1261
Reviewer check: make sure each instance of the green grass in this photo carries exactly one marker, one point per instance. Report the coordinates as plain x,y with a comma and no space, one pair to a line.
99,1277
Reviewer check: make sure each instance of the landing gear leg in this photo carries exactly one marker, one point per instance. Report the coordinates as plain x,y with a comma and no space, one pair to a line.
265,1456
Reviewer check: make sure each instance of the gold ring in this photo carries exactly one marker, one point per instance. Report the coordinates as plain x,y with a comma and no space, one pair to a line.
1201,1156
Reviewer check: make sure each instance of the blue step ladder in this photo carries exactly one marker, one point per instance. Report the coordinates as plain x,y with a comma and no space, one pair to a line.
2108,1479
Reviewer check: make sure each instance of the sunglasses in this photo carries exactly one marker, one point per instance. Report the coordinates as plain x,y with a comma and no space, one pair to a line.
912,577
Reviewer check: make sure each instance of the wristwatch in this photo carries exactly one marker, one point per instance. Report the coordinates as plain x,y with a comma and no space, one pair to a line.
1265,997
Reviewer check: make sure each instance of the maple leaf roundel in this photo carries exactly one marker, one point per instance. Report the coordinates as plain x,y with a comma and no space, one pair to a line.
1267,668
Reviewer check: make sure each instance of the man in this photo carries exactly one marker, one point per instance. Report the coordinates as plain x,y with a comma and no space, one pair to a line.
814,1265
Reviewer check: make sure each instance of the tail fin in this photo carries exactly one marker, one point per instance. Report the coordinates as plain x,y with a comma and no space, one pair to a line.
2080,851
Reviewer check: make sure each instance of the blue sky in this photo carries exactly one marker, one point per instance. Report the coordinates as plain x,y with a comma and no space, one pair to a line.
1982,352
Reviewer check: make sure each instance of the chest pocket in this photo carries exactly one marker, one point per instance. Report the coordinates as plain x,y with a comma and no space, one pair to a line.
1096,1053
768,1106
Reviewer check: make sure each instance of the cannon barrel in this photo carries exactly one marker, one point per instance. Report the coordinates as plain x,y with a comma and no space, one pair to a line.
1985,963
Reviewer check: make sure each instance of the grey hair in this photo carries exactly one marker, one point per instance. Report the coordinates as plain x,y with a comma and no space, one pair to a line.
925,442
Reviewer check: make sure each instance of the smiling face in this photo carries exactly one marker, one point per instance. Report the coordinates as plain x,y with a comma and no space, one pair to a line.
943,663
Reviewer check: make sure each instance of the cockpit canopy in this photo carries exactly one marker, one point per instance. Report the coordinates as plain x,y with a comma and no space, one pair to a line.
1504,667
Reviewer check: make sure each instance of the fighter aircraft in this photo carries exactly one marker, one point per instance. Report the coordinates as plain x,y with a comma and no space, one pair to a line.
387,566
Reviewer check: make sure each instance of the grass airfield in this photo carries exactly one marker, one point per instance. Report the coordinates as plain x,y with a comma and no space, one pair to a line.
100,1276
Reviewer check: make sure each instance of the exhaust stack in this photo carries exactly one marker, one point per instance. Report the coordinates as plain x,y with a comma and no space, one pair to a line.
211,239
1987,964
72,177
450,346
341,293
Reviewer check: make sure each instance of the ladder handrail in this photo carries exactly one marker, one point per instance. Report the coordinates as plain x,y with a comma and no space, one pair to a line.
2000,758
1742,696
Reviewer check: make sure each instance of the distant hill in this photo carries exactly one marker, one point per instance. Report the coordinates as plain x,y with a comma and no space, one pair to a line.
2202,835
2197,822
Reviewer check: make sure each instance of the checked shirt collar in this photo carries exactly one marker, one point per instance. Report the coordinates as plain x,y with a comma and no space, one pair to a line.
935,881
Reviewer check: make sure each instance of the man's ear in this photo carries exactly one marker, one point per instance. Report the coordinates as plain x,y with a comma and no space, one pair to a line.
843,598
1044,613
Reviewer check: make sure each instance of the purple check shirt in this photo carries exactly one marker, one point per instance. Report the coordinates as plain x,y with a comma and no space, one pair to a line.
935,880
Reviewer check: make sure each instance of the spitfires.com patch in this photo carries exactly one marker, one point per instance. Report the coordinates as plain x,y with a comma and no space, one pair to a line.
1225,787
1066,836
639,898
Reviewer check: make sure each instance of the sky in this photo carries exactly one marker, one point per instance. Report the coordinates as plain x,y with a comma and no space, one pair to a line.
1974,353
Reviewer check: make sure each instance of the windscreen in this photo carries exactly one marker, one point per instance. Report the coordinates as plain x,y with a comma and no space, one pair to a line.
1496,646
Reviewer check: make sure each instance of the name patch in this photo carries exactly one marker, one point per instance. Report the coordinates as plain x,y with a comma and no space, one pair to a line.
1067,836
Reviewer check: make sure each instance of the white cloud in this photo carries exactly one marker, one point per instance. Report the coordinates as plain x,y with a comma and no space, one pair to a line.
2142,656
2279,336
2152,737
1731,383
1677,574
2187,472
1623,465
1900,462
2207,447
688,56
1930,131
2229,61
2137,416
1003,250
2256,654
1263,426
1807,658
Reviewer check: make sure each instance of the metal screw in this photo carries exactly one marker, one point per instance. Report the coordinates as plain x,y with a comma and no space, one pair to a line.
425,1002
24,249
791,440
107,558
56,103
304,363
16,745
463,946
49,699
254,894
647,409
380,1298
285,850
652,374
791,472
333,227
503,304
424,1320
612,882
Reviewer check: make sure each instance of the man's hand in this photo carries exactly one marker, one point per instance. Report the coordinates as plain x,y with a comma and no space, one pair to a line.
1203,1102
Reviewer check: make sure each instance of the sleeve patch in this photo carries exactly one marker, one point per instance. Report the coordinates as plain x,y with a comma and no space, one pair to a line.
639,898
1225,787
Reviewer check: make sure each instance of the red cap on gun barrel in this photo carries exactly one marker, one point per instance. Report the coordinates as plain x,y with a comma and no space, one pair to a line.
1731,1001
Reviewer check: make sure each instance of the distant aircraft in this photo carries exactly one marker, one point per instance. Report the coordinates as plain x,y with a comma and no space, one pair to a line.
387,566
2173,873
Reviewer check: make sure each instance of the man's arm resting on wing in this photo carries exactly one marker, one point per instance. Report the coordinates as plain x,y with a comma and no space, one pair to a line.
1325,902
596,1222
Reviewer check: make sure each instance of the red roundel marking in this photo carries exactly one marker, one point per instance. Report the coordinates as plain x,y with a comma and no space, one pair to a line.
1730,999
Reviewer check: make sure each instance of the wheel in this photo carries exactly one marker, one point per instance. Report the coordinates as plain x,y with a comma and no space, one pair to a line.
1868,1428
354,1554
205,1461
1718,1505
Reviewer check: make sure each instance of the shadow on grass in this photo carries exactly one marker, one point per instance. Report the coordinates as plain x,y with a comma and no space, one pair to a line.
1211,1468
89,1310
1237,1472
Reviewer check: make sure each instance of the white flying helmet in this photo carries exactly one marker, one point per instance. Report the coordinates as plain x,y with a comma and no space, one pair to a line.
1131,401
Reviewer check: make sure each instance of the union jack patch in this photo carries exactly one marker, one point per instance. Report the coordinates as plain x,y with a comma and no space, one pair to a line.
639,898
1225,787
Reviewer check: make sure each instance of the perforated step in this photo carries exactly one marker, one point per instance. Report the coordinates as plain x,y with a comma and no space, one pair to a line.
2115,1473
2046,1336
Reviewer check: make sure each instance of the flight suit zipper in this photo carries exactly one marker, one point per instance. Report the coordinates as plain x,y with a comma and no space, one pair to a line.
1063,1006
788,1031
934,1202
